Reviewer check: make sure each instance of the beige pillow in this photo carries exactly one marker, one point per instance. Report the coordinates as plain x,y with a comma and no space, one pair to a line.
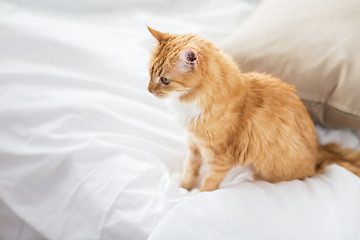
312,44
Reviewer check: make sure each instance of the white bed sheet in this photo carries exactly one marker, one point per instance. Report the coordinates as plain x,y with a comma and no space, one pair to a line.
87,153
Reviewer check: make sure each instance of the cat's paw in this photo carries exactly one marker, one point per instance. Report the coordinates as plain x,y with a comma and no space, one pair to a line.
182,181
186,186
194,191
187,180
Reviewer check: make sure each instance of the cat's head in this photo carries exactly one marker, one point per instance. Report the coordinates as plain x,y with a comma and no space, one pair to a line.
174,65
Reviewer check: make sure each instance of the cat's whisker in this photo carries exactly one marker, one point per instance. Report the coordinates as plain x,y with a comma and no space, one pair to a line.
187,91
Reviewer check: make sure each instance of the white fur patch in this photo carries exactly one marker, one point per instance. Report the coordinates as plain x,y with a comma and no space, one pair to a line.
184,112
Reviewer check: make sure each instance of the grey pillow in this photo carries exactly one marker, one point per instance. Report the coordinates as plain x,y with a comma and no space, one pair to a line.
312,44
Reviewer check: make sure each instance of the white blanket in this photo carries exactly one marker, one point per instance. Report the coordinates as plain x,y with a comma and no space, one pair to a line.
87,153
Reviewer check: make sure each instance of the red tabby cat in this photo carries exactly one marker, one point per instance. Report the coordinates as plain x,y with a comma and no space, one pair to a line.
234,118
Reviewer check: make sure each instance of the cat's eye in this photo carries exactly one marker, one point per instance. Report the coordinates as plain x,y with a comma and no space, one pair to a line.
165,80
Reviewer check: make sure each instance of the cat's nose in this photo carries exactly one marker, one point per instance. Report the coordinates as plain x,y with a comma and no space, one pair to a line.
150,89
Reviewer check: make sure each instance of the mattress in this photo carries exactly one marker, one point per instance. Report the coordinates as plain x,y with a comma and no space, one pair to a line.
87,153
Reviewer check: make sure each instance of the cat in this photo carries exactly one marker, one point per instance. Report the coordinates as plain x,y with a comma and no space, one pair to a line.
235,118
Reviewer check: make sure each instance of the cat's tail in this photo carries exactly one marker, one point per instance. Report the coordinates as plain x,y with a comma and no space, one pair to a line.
345,157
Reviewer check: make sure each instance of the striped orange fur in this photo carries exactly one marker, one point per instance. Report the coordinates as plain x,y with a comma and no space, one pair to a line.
234,118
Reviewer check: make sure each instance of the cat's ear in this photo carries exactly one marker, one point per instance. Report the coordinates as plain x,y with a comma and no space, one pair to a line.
158,35
189,60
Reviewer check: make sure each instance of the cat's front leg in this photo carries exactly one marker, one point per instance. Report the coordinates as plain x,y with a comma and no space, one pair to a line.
213,177
219,166
192,165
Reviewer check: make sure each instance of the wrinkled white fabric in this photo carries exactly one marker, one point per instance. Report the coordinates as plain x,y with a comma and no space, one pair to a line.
326,206
85,150
87,153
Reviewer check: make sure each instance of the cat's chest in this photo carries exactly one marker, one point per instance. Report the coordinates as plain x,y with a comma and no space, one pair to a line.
184,112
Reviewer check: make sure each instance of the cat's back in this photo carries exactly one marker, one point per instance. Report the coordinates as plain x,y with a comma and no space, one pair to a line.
273,106
272,94
269,87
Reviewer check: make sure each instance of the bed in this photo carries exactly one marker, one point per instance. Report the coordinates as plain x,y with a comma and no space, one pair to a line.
87,153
